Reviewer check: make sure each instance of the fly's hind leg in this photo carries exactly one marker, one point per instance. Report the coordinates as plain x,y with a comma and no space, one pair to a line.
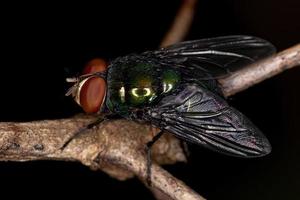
148,151
185,149
89,126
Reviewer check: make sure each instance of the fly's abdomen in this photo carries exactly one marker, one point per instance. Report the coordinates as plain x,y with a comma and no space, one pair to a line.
134,85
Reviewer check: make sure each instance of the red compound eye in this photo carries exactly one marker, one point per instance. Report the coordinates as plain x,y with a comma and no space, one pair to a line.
92,94
93,90
95,65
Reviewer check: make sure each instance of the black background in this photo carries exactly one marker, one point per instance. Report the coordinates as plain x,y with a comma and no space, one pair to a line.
43,43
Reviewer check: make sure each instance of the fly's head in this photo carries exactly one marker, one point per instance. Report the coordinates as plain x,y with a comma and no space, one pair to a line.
89,89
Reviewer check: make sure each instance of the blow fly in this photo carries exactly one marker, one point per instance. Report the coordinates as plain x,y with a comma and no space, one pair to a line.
176,89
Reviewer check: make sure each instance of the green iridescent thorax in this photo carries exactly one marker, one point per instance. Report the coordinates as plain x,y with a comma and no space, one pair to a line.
134,85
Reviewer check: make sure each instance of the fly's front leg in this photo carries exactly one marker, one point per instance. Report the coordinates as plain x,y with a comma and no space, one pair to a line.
89,126
148,152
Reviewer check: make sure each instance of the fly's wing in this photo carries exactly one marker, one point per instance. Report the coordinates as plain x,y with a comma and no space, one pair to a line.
199,116
215,56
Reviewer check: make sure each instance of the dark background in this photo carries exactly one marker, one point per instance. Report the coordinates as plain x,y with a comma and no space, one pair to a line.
43,43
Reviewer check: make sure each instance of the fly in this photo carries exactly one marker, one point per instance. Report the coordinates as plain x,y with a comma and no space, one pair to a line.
176,89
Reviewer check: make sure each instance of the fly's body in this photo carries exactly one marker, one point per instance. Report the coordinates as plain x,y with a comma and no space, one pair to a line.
134,85
176,89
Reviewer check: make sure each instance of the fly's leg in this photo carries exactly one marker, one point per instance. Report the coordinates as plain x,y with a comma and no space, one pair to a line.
82,130
185,149
89,126
148,151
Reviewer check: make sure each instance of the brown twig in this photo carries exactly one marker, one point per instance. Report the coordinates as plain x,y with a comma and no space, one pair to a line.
261,71
181,24
116,147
